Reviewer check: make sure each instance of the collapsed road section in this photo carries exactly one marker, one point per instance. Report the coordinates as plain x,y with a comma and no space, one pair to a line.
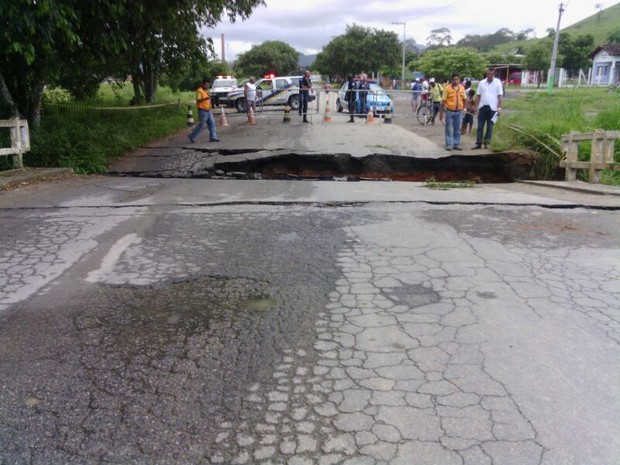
283,164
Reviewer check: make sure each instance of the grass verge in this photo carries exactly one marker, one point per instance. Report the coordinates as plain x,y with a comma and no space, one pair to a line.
432,183
536,121
82,136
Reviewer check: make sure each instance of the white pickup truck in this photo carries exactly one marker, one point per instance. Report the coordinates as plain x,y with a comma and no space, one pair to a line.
221,87
279,90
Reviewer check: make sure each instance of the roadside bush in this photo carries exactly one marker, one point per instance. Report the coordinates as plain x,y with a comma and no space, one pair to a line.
88,140
610,121
56,95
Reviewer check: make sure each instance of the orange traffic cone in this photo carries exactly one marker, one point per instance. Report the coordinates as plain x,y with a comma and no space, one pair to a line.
223,121
190,116
371,116
251,118
327,118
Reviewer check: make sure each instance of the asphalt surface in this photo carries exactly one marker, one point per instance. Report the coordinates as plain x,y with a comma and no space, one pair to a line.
203,321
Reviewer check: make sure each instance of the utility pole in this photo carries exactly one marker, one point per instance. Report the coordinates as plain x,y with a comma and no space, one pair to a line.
402,74
554,53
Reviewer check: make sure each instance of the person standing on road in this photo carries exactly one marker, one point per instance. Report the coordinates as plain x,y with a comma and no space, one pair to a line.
350,97
363,88
452,106
435,93
488,104
416,90
249,92
305,84
468,117
425,87
203,102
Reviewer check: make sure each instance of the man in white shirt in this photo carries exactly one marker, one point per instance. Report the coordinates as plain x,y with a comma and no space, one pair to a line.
249,92
488,104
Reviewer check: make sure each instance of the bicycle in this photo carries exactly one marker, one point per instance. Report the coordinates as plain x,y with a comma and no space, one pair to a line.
425,112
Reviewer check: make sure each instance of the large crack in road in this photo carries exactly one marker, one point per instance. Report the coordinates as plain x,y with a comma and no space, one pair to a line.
284,164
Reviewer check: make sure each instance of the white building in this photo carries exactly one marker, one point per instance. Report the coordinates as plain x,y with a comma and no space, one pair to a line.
606,65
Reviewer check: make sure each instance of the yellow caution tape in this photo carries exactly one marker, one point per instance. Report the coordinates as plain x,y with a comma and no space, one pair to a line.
97,107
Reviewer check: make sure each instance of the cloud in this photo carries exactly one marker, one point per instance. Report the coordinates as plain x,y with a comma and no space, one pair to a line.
309,26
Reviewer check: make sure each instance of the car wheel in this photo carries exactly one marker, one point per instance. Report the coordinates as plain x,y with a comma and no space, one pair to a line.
240,105
294,102
338,106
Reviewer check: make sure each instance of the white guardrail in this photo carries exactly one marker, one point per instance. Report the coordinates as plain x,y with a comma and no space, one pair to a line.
20,140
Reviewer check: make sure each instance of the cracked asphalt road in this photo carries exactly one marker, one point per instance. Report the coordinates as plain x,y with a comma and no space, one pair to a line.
168,321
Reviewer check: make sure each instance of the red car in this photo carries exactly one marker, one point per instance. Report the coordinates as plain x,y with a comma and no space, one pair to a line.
515,79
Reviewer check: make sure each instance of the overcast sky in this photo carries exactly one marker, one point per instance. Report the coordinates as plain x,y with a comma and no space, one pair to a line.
309,25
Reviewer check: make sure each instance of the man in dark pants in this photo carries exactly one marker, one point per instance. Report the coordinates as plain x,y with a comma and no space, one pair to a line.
363,88
351,97
305,84
488,104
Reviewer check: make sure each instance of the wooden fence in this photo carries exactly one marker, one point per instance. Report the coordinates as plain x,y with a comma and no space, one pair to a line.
601,155
20,140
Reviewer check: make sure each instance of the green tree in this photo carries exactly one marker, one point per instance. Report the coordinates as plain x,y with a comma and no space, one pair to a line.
614,37
30,35
538,57
164,35
359,49
441,63
575,51
487,42
190,76
273,56
525,34
439,38
47,41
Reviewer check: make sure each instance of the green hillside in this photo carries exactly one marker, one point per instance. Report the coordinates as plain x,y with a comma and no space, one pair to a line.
600,28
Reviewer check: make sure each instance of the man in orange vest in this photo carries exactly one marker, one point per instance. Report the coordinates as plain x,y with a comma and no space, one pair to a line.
203,102
452,106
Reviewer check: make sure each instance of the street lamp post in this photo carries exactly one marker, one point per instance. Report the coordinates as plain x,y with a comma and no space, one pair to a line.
402,74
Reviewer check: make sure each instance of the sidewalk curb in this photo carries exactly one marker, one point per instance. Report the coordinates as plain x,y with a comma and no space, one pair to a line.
577,186
16,178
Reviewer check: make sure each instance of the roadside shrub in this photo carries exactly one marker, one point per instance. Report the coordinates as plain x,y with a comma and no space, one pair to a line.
87,140
56,95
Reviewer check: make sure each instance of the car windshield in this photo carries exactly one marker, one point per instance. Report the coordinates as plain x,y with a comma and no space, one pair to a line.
224,83
376,89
